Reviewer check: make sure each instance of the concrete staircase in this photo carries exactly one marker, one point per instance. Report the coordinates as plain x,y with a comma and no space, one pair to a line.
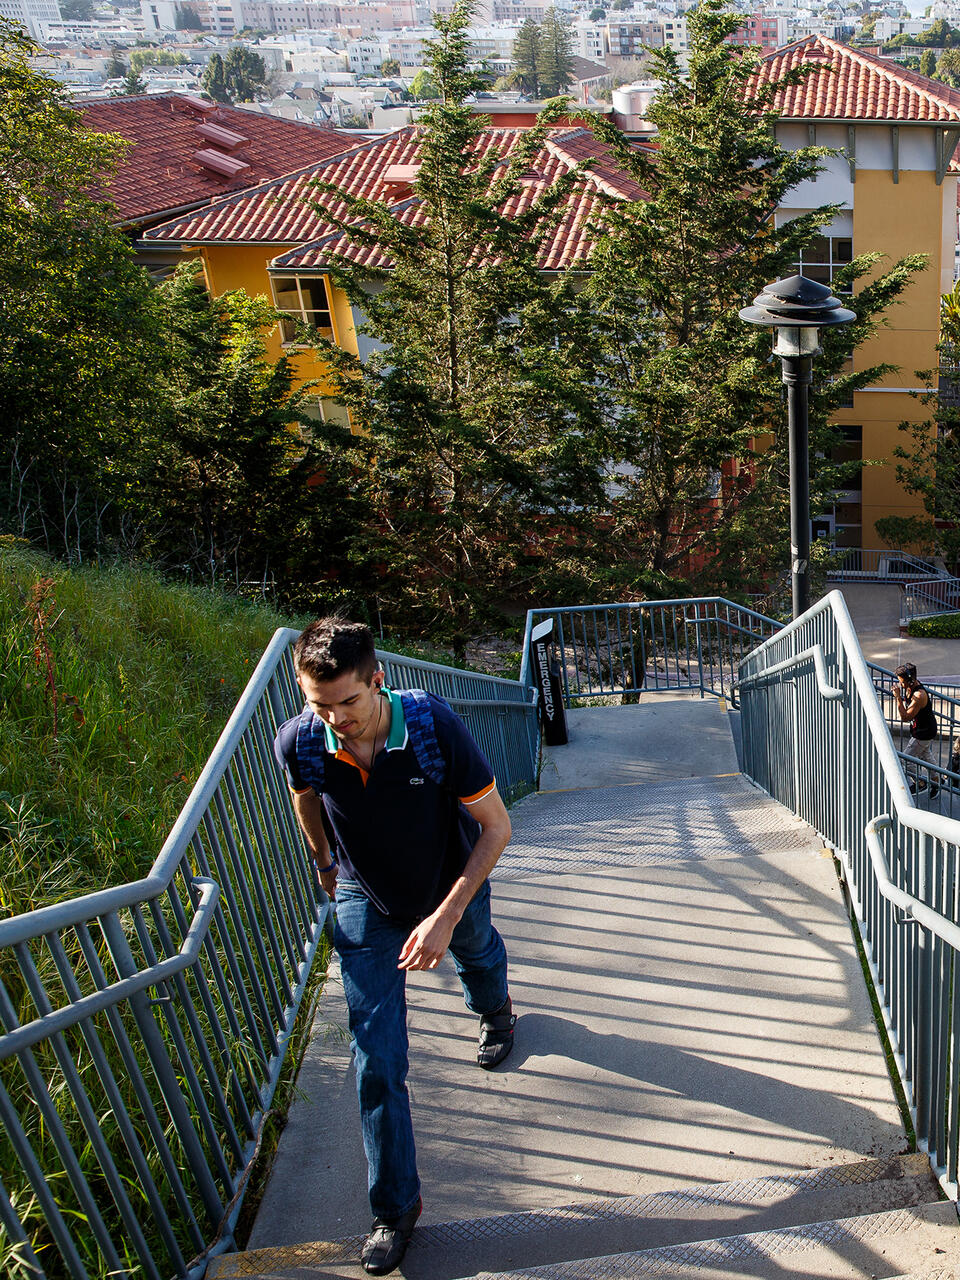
697,1081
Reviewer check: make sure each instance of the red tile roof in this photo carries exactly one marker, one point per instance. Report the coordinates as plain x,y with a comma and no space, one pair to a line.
280,212
160,173
855,86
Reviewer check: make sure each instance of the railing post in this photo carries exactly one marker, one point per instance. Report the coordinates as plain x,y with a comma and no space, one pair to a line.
163,1068
923,1068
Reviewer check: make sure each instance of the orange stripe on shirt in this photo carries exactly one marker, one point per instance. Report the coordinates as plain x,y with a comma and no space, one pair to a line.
480,794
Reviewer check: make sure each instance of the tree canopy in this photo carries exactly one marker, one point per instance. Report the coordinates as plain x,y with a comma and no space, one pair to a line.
238,78
691,387
476,420
554,57
928,456
74,323
526,57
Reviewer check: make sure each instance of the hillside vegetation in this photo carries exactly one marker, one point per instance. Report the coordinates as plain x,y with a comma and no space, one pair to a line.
114,686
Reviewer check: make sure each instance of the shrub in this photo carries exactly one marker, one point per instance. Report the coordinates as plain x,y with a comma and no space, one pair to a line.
942,626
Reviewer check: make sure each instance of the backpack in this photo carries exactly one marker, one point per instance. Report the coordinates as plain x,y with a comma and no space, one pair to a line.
418,715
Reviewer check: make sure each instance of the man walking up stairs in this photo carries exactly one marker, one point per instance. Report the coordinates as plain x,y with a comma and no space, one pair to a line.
699,1088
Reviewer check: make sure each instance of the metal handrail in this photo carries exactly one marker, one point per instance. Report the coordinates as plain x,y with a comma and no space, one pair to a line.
815,652
167,1004
874,564
623,647
937,923
851,772
50,1024
925,599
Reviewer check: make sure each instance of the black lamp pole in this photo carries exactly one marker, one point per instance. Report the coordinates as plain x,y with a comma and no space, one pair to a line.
797,308
797,374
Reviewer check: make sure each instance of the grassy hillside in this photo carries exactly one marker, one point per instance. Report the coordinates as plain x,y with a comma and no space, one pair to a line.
114,686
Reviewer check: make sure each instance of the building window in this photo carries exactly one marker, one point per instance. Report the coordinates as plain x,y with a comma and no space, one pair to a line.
308,302
823,258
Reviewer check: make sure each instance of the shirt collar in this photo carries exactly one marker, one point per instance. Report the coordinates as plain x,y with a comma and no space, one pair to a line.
398,736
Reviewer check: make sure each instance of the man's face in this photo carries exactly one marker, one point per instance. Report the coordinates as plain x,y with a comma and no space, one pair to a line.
347,703
904,683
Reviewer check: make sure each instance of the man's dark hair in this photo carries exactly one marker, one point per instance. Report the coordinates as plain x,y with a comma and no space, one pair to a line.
332,647
908,671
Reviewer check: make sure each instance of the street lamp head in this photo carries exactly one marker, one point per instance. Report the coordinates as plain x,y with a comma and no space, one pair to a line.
798,309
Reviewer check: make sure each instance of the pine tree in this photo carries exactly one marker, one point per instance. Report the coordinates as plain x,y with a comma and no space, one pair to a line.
214,80
948,67
526,57
225,495
132,84
692,385
479,433
244,72
928,63
116,68
75,327
554,58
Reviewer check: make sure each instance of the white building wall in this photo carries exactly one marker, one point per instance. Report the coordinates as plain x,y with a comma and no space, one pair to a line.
887,28
313,61
589,40
159,15
675,34
366,56
30,13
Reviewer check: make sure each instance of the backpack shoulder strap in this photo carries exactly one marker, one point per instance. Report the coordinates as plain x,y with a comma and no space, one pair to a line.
418,714
311,749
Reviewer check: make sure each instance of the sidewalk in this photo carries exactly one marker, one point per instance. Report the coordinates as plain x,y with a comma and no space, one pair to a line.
691,1005
875,611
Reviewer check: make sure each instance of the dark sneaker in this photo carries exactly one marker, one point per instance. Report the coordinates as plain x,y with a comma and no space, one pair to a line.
496,1036
387,1242
934,790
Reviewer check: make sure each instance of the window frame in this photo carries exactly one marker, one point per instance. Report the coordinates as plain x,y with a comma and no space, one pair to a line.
305,311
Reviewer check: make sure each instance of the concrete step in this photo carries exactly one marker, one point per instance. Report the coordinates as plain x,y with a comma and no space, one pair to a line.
874,1246
544,1240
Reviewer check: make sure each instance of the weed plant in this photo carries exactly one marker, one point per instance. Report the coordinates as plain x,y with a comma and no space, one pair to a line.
114,686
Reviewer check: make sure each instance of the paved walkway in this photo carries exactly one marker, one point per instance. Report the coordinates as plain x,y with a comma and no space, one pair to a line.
875,611
691,1005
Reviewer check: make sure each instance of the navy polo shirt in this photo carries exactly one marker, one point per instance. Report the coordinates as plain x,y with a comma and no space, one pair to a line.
401,836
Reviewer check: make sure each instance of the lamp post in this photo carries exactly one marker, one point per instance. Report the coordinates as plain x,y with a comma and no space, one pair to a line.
798,308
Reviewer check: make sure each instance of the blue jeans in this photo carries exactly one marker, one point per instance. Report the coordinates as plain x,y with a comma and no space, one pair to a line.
369,945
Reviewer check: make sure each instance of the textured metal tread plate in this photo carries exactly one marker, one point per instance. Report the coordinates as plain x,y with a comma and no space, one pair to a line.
743,1250
742,1191
650,824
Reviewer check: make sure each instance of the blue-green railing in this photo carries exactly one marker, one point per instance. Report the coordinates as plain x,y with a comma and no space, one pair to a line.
926,597
605,650
143,1027
817,739
880,565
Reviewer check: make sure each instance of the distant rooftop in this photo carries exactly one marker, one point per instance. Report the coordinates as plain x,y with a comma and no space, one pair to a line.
855,86
292,212
187,152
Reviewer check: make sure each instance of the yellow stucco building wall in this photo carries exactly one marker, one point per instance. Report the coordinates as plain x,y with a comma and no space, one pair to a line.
244,266
897,219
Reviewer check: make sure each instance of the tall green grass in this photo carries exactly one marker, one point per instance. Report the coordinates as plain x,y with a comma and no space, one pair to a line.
114,686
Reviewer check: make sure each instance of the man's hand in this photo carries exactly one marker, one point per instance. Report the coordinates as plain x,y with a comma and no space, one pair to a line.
425,947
